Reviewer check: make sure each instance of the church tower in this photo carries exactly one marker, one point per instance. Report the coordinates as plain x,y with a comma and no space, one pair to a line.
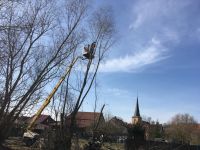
136,119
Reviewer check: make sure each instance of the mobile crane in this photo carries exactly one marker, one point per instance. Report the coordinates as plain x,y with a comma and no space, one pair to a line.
29,136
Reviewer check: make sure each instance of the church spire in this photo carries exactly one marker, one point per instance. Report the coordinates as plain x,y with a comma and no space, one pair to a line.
137,110
136,119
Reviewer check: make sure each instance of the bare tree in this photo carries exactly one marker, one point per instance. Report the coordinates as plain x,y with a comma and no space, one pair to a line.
181,128
100,29
37,39
34,45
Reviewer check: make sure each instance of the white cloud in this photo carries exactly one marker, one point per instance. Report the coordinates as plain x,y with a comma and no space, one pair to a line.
140,19
117,91
144,12
170,35
158,12
154,52
168,20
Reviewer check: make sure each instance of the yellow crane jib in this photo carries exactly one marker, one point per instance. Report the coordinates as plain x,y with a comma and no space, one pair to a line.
48,99
30,136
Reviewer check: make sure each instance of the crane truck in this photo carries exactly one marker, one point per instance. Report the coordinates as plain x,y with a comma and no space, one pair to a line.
29,136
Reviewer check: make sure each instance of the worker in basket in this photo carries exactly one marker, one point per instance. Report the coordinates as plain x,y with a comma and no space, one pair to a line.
89,51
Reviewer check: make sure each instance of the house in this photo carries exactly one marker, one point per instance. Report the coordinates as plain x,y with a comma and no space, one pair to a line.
116,130
85,120
43,122
119,127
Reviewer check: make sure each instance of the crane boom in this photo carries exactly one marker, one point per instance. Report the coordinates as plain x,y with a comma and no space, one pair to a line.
30,137
48,99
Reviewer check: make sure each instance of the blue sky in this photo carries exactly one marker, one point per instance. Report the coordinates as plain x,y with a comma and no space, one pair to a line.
156,57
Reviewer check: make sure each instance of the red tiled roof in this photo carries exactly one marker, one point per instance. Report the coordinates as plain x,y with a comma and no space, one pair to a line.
41,119
86,119
198,126
87,115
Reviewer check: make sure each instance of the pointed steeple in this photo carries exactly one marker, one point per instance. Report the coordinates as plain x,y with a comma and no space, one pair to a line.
136,119
137,110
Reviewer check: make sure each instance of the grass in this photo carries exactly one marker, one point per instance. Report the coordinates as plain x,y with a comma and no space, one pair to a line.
15,143
113,146
105,146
